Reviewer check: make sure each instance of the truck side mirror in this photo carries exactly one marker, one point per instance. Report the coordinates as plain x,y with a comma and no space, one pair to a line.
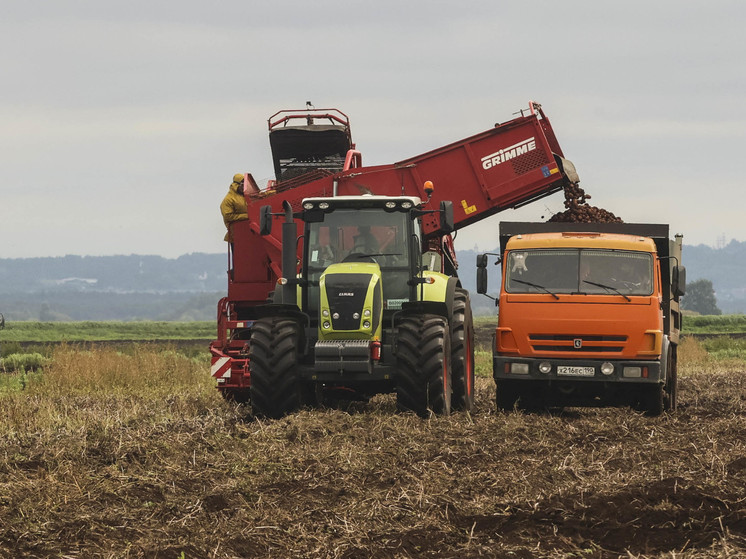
446,216
482,273
265,220
678,281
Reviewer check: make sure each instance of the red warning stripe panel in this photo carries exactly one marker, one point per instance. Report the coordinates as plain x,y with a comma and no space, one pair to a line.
221,367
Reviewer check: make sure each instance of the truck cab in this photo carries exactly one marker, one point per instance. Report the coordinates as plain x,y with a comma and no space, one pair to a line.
588,317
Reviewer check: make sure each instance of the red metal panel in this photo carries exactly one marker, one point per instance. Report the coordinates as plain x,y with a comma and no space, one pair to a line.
501,168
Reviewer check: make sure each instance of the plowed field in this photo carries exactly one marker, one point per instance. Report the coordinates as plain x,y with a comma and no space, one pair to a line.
112,455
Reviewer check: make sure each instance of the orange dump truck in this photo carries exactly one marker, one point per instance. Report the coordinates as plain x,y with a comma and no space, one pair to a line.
588,315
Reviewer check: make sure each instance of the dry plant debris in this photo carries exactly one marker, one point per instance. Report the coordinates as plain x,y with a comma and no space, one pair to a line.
136,456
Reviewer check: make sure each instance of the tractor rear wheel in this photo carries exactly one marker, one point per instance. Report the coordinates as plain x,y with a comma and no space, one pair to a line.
423,376
276,389
462,352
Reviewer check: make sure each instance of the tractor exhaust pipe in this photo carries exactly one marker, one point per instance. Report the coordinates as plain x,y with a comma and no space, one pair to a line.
289,256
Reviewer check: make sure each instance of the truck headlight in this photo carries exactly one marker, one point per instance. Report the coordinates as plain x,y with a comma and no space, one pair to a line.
607,368
545,367
519,368
632,372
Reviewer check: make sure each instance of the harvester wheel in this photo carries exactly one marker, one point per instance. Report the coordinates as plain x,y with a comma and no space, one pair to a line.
276,389
423,377
462,352
236,395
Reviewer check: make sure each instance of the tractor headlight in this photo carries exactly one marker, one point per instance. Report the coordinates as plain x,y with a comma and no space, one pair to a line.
327,325
325,313
366,313
308,206
366,324
356,315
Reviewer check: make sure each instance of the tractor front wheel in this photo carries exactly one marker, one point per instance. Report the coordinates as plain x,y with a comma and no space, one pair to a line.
276,389
423,379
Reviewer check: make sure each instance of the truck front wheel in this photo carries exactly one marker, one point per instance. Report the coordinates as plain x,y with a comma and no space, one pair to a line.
275,389
423,372
506,395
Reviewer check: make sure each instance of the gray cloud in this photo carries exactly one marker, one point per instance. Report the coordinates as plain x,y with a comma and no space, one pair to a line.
122,123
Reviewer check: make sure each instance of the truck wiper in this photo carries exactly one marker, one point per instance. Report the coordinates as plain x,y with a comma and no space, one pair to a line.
608,287
536,286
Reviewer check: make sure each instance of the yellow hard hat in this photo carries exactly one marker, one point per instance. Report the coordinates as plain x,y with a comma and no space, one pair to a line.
238,177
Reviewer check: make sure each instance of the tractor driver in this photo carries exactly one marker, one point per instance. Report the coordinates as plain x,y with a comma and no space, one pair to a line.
365,242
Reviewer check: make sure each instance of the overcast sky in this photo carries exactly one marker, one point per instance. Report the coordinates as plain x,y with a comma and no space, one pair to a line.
123,122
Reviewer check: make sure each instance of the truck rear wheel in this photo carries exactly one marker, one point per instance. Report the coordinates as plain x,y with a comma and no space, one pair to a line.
671,396
423,376
462,352
276,389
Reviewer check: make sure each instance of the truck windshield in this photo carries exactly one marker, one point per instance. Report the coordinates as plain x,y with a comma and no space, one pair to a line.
570,270
362,235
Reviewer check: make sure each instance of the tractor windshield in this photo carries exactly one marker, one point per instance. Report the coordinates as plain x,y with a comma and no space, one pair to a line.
571,270
361,235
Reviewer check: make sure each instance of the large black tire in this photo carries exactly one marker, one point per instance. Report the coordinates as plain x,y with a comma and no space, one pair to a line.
236,395
653,397
276,389
671,396
462,352
506,395
423,376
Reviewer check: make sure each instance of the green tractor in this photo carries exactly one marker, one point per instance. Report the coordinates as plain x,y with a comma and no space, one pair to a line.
372,306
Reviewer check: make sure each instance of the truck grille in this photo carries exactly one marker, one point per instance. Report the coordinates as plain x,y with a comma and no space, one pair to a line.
580,343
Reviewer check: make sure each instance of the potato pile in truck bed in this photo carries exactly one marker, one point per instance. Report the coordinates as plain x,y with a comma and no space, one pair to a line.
578,210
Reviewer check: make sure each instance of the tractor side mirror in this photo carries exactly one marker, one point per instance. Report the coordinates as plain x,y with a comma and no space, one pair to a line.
265,220
446,216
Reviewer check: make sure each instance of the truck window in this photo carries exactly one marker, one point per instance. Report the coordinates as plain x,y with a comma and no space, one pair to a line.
570,270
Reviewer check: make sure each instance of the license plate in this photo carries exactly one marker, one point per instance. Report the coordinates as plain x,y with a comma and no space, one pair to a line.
576,371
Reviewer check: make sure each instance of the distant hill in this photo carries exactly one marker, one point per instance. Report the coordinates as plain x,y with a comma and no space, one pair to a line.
147,287
134,287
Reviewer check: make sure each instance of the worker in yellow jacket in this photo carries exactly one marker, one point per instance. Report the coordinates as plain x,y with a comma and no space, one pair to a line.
233,206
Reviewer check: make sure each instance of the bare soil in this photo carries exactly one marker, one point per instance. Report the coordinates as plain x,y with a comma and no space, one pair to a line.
118,473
